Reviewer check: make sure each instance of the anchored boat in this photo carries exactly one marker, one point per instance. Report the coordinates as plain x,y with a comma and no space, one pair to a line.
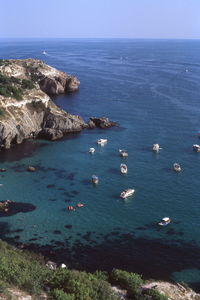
156,147
123,168
127,193
176,167
101,141
95,179
91,150
165,221
123,153
196,148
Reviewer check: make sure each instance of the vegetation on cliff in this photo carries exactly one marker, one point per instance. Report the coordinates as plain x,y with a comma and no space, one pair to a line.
4,62
14,87
29,273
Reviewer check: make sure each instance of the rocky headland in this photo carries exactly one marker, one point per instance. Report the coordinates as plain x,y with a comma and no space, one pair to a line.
26,109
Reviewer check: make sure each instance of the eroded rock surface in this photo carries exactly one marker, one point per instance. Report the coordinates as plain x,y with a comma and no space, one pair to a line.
32,113
26,109
101,122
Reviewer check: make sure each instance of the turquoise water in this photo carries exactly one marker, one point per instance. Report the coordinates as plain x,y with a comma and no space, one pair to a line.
151,88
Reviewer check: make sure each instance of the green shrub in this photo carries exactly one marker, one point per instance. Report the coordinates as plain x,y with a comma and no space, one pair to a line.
27,84
153,294
84,286
20,269
57,294
132,282
101,275
13,87
4,62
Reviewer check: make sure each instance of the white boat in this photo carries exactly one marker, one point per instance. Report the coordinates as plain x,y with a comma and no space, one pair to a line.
123,153
101,141
176,167
95,179
156,147
91,150
165,221
196,148
44,52
127,193
123,168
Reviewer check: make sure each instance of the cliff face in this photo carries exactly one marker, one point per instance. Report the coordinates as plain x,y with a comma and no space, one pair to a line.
26,110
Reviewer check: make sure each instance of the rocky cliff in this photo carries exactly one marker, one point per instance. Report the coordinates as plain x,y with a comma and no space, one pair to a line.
26,109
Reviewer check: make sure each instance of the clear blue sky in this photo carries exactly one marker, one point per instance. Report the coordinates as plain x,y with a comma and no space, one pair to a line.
100,18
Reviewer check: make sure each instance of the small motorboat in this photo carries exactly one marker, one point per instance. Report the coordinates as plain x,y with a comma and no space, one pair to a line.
165,221
79,204
101,141
196,148
123,153
176,167
127,193
123,168
156,147
95,179
91,150
70,207
44,52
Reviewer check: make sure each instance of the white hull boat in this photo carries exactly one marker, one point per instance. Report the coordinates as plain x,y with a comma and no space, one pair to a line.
156,147
196,148
101,141
95,179
127,193
91,150
123,153
165,221
176,167
123,168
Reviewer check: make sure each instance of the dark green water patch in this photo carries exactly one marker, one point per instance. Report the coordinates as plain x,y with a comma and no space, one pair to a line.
18,152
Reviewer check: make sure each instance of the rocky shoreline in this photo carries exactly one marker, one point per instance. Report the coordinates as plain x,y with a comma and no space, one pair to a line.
26,109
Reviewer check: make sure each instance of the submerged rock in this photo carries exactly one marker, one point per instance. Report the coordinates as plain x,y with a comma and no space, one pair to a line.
10,208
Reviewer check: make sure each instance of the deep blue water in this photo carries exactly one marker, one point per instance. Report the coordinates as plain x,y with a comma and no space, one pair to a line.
152,89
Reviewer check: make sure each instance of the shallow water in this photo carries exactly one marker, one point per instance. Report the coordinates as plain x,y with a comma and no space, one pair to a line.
151,88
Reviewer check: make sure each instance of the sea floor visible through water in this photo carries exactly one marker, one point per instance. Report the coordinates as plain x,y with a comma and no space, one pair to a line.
151,88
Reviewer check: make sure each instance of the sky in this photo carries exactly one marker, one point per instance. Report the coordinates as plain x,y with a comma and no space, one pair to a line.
100,19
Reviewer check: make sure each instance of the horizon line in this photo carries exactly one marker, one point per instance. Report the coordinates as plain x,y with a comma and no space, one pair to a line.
104,38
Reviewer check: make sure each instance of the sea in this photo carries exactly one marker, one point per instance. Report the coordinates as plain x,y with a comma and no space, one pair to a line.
151,88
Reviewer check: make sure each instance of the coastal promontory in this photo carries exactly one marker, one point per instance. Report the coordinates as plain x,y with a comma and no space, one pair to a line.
26,108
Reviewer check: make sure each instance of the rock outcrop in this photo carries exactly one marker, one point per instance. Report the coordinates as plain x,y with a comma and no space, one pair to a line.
4,205
26,109
100,122
173,291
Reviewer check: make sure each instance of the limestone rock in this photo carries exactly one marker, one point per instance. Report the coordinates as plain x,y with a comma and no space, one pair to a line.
101,122
50,134
33,114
